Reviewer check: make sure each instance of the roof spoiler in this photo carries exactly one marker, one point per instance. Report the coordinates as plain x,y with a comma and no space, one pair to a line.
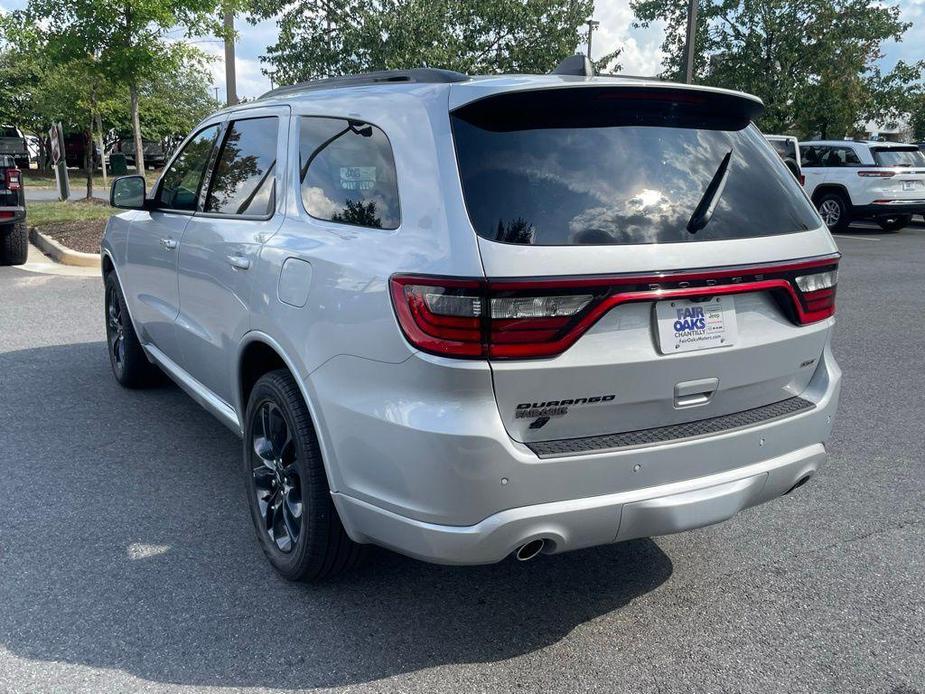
418,75
577,64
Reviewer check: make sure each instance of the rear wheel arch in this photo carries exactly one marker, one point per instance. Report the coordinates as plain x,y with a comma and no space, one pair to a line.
831,188
259,354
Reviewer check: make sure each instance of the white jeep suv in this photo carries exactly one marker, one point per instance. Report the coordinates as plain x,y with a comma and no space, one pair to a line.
848,180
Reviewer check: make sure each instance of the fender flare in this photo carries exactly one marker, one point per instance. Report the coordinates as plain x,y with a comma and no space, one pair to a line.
328,456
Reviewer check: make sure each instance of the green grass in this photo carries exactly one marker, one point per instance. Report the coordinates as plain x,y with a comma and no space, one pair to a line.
41,214
33,178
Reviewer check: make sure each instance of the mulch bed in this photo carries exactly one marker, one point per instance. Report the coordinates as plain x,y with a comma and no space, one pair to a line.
81,235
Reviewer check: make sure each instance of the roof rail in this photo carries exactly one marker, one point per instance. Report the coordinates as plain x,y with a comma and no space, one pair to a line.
419,75
577,64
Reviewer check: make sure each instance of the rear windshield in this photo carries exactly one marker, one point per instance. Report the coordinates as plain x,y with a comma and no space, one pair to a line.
615,166
8,132
893,156
786,148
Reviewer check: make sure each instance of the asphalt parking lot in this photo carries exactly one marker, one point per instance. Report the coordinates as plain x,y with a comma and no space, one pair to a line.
128,562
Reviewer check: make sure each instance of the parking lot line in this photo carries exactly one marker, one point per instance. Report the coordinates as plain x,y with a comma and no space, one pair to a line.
860,238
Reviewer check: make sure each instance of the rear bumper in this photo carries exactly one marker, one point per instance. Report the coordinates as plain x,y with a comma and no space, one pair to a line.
12,214
890,208
462,492
578,523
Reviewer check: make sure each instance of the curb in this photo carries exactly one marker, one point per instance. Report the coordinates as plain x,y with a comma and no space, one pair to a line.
62,254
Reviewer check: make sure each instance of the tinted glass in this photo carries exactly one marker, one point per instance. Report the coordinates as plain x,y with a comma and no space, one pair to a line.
590,166
8,132
179,187
786,148
348,173
812,156
839,156
244,181
899,157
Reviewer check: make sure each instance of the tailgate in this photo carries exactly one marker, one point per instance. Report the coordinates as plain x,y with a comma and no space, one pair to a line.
649,259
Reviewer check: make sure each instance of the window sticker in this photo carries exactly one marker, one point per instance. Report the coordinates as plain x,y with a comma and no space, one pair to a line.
357,177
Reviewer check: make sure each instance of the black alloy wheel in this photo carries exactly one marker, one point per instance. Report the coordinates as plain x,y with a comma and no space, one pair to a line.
277,484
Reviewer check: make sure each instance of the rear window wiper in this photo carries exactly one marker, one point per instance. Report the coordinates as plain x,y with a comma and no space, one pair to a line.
704,210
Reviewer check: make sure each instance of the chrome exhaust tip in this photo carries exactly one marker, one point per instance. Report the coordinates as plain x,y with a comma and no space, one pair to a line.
529,550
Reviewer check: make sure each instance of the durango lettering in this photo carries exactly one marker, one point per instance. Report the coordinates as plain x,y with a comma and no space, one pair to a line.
560,403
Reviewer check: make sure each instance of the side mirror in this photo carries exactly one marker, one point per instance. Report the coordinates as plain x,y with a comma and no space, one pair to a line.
128,193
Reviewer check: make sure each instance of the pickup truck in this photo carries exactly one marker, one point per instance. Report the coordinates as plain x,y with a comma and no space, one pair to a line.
14,238
13,143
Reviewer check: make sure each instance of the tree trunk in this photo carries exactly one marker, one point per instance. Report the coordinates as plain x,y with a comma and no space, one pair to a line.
44,154
99,135
88,160
136,131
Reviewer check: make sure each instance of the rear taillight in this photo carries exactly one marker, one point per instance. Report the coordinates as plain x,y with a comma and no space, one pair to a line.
13,179
876,174
817,293
527,319
802,180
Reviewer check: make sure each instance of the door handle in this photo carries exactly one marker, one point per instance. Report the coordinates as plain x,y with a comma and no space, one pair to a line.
168,244
238,263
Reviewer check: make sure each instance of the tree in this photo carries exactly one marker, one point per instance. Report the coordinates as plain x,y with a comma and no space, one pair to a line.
169,107
813,62
917,119
320,38
125,42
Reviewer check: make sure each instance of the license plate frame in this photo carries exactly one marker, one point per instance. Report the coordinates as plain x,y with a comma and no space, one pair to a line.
686,325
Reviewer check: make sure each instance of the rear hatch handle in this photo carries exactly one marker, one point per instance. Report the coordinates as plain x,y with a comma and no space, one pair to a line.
693,393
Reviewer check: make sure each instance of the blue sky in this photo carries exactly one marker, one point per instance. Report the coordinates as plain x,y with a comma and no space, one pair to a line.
641,48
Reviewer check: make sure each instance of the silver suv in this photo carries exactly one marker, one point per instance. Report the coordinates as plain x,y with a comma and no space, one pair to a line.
464,318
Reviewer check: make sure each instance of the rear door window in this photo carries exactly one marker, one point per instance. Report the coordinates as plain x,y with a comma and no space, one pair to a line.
348,173
244,178
604,166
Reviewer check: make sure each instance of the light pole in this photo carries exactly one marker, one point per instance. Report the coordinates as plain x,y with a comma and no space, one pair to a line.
592,25
691,40
231,89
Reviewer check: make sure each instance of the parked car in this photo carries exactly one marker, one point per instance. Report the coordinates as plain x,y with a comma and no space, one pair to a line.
788,147
75,151
13,143
154,153
469,318
14,238
880,181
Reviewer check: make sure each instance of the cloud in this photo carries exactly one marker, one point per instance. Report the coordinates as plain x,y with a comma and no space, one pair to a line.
642,54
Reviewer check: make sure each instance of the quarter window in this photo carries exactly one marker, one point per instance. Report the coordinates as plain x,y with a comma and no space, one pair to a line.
244,180
179,187
347,173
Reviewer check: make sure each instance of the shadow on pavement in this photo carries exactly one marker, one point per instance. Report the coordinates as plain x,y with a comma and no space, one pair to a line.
125,543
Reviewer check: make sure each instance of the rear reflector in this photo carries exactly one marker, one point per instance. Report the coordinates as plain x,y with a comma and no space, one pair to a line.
5,215
876,174
528,319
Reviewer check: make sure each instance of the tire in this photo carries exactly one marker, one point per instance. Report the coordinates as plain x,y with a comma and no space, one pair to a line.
14,244
894,223
833,208
130,365
287,490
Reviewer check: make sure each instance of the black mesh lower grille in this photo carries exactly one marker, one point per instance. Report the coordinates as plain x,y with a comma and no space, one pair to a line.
674,432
